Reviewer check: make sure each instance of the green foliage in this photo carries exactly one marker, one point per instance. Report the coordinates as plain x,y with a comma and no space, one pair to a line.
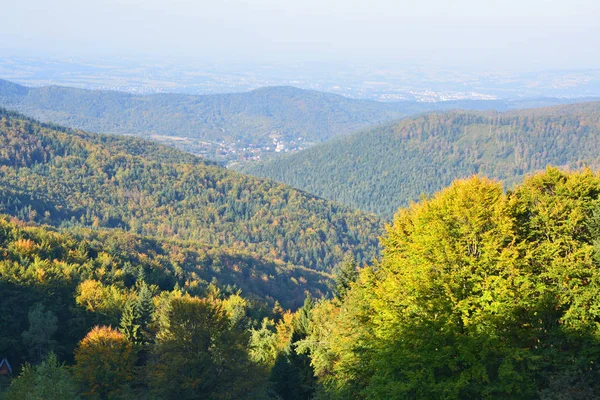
199,351
379,169
144,308
64,287
292,376
49,380
42,326
86,278
479,294
346,274
69,178
131,322
263,344
341,341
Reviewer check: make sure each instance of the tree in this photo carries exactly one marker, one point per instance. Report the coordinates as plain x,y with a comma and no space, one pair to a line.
42,326
49,380
479,294
292,376
105,301
345,275
236,308
104,361
145,310
198,353
263,344
130,322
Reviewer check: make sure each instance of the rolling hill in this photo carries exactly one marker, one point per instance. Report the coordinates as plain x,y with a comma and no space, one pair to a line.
226,127
69,178
383,168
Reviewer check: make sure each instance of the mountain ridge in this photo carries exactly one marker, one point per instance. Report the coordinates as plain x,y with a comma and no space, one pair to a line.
72,178
383,168
225,127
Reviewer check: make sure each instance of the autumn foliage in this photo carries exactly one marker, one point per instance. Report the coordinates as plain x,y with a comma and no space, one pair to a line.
104,360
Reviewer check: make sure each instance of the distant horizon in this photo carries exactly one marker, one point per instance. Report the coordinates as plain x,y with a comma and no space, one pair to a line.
241,91
409,83
512,35
108,57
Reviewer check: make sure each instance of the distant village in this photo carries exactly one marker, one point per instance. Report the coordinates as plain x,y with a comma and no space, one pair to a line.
236,151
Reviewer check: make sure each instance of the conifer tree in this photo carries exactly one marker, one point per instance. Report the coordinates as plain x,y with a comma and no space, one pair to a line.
346,274
130,322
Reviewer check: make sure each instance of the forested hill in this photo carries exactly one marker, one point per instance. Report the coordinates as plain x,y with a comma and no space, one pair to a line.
225,127
380,169
71,178
259,114
47,257
62,290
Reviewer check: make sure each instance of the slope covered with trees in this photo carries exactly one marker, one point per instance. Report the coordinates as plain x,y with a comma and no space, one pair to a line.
200,124
135,319
252,118
70,178
379,169
478,294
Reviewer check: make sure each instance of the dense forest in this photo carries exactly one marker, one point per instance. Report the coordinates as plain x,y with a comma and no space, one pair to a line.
135,318
478,294
241,120
69,178
382,168
131,270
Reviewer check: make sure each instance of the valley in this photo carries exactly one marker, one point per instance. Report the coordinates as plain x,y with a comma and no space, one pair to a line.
228,128
288,244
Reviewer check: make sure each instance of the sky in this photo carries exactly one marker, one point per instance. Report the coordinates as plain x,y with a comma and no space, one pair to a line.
511,34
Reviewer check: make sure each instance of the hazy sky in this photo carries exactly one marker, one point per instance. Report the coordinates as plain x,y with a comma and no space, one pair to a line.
516,34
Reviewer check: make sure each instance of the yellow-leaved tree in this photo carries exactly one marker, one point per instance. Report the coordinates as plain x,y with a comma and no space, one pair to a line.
104,361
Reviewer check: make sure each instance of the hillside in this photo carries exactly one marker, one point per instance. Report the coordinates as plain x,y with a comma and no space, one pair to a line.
70,178
40,264
61,287
227,127
380,169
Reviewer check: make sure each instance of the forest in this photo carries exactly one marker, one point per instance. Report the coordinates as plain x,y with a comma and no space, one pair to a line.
382,168
479,293
68,178
239,120
130,270
132,323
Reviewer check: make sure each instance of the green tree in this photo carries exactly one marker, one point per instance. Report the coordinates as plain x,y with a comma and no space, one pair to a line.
42,326
199,354
145,309
345,274
292,376
130,322
263,344
49,380
479,294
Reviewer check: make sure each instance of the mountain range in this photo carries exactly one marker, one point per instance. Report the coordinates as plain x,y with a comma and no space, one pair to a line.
225,127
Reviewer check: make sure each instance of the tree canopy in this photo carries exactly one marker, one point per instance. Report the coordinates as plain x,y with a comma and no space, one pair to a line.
479,294
382,168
